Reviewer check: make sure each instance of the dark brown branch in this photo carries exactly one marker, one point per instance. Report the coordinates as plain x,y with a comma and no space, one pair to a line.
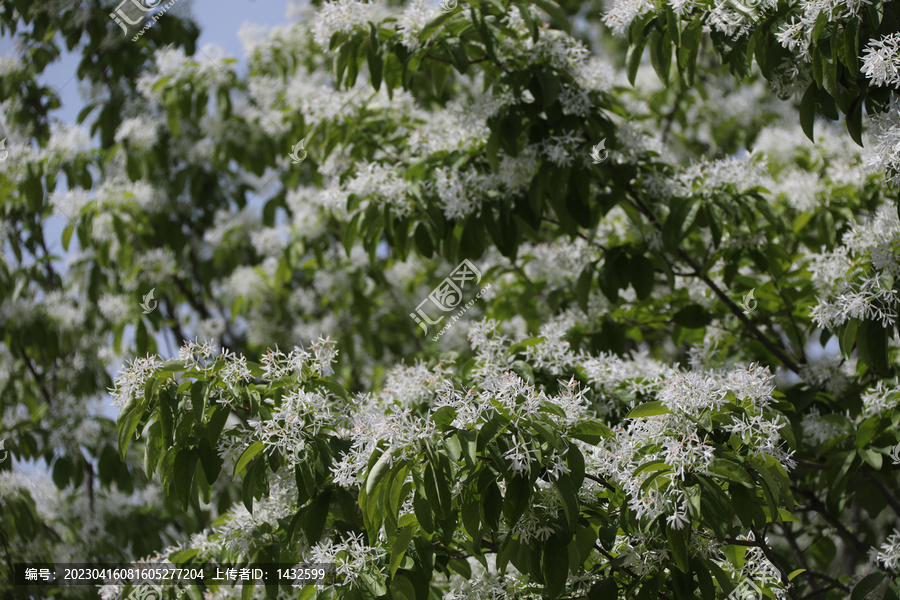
37,377
886,492
734,308
601,481
624,569
816,505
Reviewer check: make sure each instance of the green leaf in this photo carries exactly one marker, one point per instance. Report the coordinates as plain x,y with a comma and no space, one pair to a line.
316,517
872,341
550,88
128,420
569,495
693,316
556,13
521,346
673,24
171,366
153,449
248,455
854,120
633,59
590,432
432,25
423,240
402,588
808,111
866,586
210,460
437,489
555,566
376,64
605,589
333,388
400,546
678,543
648,409
642,276
518,494
583,287
381,468
185,467
683,214
660,54
731,471
868,429
67,236
848,336
198,400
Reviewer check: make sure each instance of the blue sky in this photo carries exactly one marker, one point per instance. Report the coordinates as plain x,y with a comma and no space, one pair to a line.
219,24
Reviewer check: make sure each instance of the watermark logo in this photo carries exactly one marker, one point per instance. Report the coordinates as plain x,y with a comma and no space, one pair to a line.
146,592
895,454
134,12
148,308
599,153
447,297
746,591
3,452
128,9
4,153
748,299
448,5
296,159
750,8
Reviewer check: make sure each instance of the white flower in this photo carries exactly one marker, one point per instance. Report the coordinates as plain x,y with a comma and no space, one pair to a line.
414,18
622,12
879,399
345,15
139,132
889,553
881,60
269,241
71,202
521,456
67,142
116,308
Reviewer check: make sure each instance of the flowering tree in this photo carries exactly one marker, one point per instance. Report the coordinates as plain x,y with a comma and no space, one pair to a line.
681,382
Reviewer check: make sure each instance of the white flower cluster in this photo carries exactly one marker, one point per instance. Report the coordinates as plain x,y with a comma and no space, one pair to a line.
133,378
758,569
816,429
671,438
351,555
889,553
831,371
459,191
709,177
384,182
416,15
854,281
488,584
138,132
881,60
884,156
880,398
175,70
345,16
319,358
622,12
